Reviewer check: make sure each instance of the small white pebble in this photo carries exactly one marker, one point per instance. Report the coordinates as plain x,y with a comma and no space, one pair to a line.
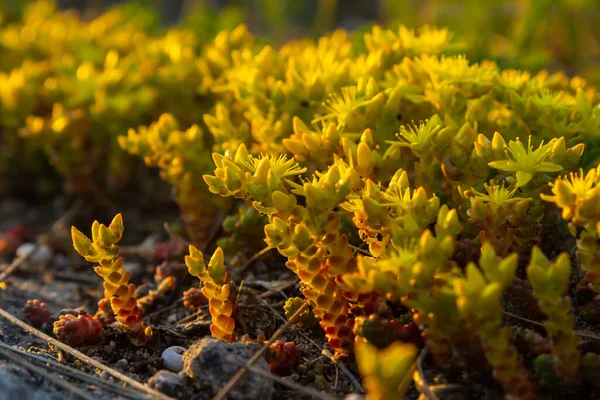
42,255
355,396
173,358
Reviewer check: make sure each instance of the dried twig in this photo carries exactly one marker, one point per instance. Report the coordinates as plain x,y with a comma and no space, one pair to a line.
77,374
281,317
363,251
17,262
68,349
307,390
241,372
580,333
359,388
176,304
78,278
47,376
279,289
428,391
253,258
420,383
190,317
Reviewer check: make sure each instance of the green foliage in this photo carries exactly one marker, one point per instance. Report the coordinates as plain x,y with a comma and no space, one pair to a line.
480,302
550,282
529,34
306,319
72,87
425,152
387,372
462,167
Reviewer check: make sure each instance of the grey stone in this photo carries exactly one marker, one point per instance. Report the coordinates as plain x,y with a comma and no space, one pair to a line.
168,383
211,363
41,255
16,383
173,358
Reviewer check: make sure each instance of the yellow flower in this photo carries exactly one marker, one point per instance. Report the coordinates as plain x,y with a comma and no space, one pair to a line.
280,165
526,162
577,195
497,194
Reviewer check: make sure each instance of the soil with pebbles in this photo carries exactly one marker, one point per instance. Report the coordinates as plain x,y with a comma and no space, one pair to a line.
68,284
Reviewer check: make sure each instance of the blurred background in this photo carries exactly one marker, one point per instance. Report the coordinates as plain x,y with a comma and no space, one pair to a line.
74,80
526,34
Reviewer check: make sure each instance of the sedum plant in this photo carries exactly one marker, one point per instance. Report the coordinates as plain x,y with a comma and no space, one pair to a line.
427,155
576,195
102,249
479,300
550,282
387,373
182,157
77,330
394,178
216,289
307,235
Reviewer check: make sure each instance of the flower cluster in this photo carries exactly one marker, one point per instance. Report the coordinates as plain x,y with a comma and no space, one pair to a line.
577,195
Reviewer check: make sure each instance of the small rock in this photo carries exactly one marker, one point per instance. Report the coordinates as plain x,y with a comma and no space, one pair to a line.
122,363
211,363
173,358
16,383
42,254
293,377
167,382
355,396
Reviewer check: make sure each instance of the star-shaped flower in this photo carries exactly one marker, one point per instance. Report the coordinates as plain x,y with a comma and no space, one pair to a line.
526,162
